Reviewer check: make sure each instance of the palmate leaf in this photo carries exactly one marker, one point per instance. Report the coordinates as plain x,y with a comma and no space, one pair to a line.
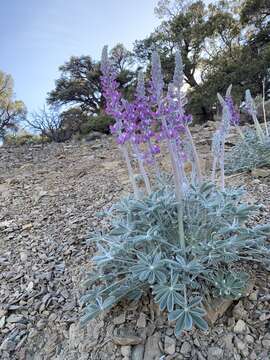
192,267
187,315
230,285
150,268
167,295
94,309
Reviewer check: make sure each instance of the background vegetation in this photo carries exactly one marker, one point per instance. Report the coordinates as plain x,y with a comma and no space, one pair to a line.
222,43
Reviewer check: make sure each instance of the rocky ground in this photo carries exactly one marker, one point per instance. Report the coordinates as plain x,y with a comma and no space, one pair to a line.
48,202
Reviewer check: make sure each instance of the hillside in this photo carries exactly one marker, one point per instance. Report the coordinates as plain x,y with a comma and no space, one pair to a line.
49,197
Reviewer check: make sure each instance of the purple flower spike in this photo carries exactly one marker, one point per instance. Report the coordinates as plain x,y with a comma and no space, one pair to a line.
140,91
234,114
157,77
178,77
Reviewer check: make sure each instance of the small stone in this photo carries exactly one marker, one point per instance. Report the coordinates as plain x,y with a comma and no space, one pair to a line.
231,321
8,345
41,324
30,286
239,311
253,296
185,348
215,353
141,322
2,322
216,309
253,356
169,345
128,340
23,256
200,356
152,350
197,343
239,344
264,317
261,172
240,327
137,352
15,319
119,319
227,340
27,226
3,312
126,351
266,343
249,339
169,331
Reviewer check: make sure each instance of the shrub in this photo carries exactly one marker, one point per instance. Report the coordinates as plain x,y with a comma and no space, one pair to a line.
248,154
180,238
100,123
141,253
25,139
253,150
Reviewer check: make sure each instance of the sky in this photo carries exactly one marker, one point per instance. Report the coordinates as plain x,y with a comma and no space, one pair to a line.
37,36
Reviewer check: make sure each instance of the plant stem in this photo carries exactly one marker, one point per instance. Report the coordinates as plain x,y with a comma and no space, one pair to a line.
264,112
124,150
195,155
178,192
240,132
258,127
214,167
222,172
157,169
142,169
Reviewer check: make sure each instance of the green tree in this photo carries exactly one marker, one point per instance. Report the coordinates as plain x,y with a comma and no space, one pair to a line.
222,43
202,32
11,111
79,82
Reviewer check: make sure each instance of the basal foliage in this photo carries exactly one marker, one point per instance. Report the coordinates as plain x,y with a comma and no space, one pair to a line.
254,148
141,253
248,154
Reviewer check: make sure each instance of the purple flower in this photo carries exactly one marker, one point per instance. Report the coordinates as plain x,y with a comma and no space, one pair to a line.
234,114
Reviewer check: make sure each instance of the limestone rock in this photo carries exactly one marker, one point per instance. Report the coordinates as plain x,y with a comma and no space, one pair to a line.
152,350
169,345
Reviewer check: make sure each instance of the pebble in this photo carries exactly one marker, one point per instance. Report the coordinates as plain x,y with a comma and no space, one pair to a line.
239,311
239,343
141,322
215,353
249,339
126,351
266,343
13,318
253,296
240,327
169,345
2,322
23,256
7,345
137,352
185,348
128,340
120,319
228,342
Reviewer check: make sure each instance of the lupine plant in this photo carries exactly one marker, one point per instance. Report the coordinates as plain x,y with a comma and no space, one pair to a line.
253,151
179,238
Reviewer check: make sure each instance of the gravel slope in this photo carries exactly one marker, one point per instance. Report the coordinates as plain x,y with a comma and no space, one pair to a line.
48,200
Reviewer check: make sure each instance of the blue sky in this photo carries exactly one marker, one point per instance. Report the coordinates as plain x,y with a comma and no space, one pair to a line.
37,36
